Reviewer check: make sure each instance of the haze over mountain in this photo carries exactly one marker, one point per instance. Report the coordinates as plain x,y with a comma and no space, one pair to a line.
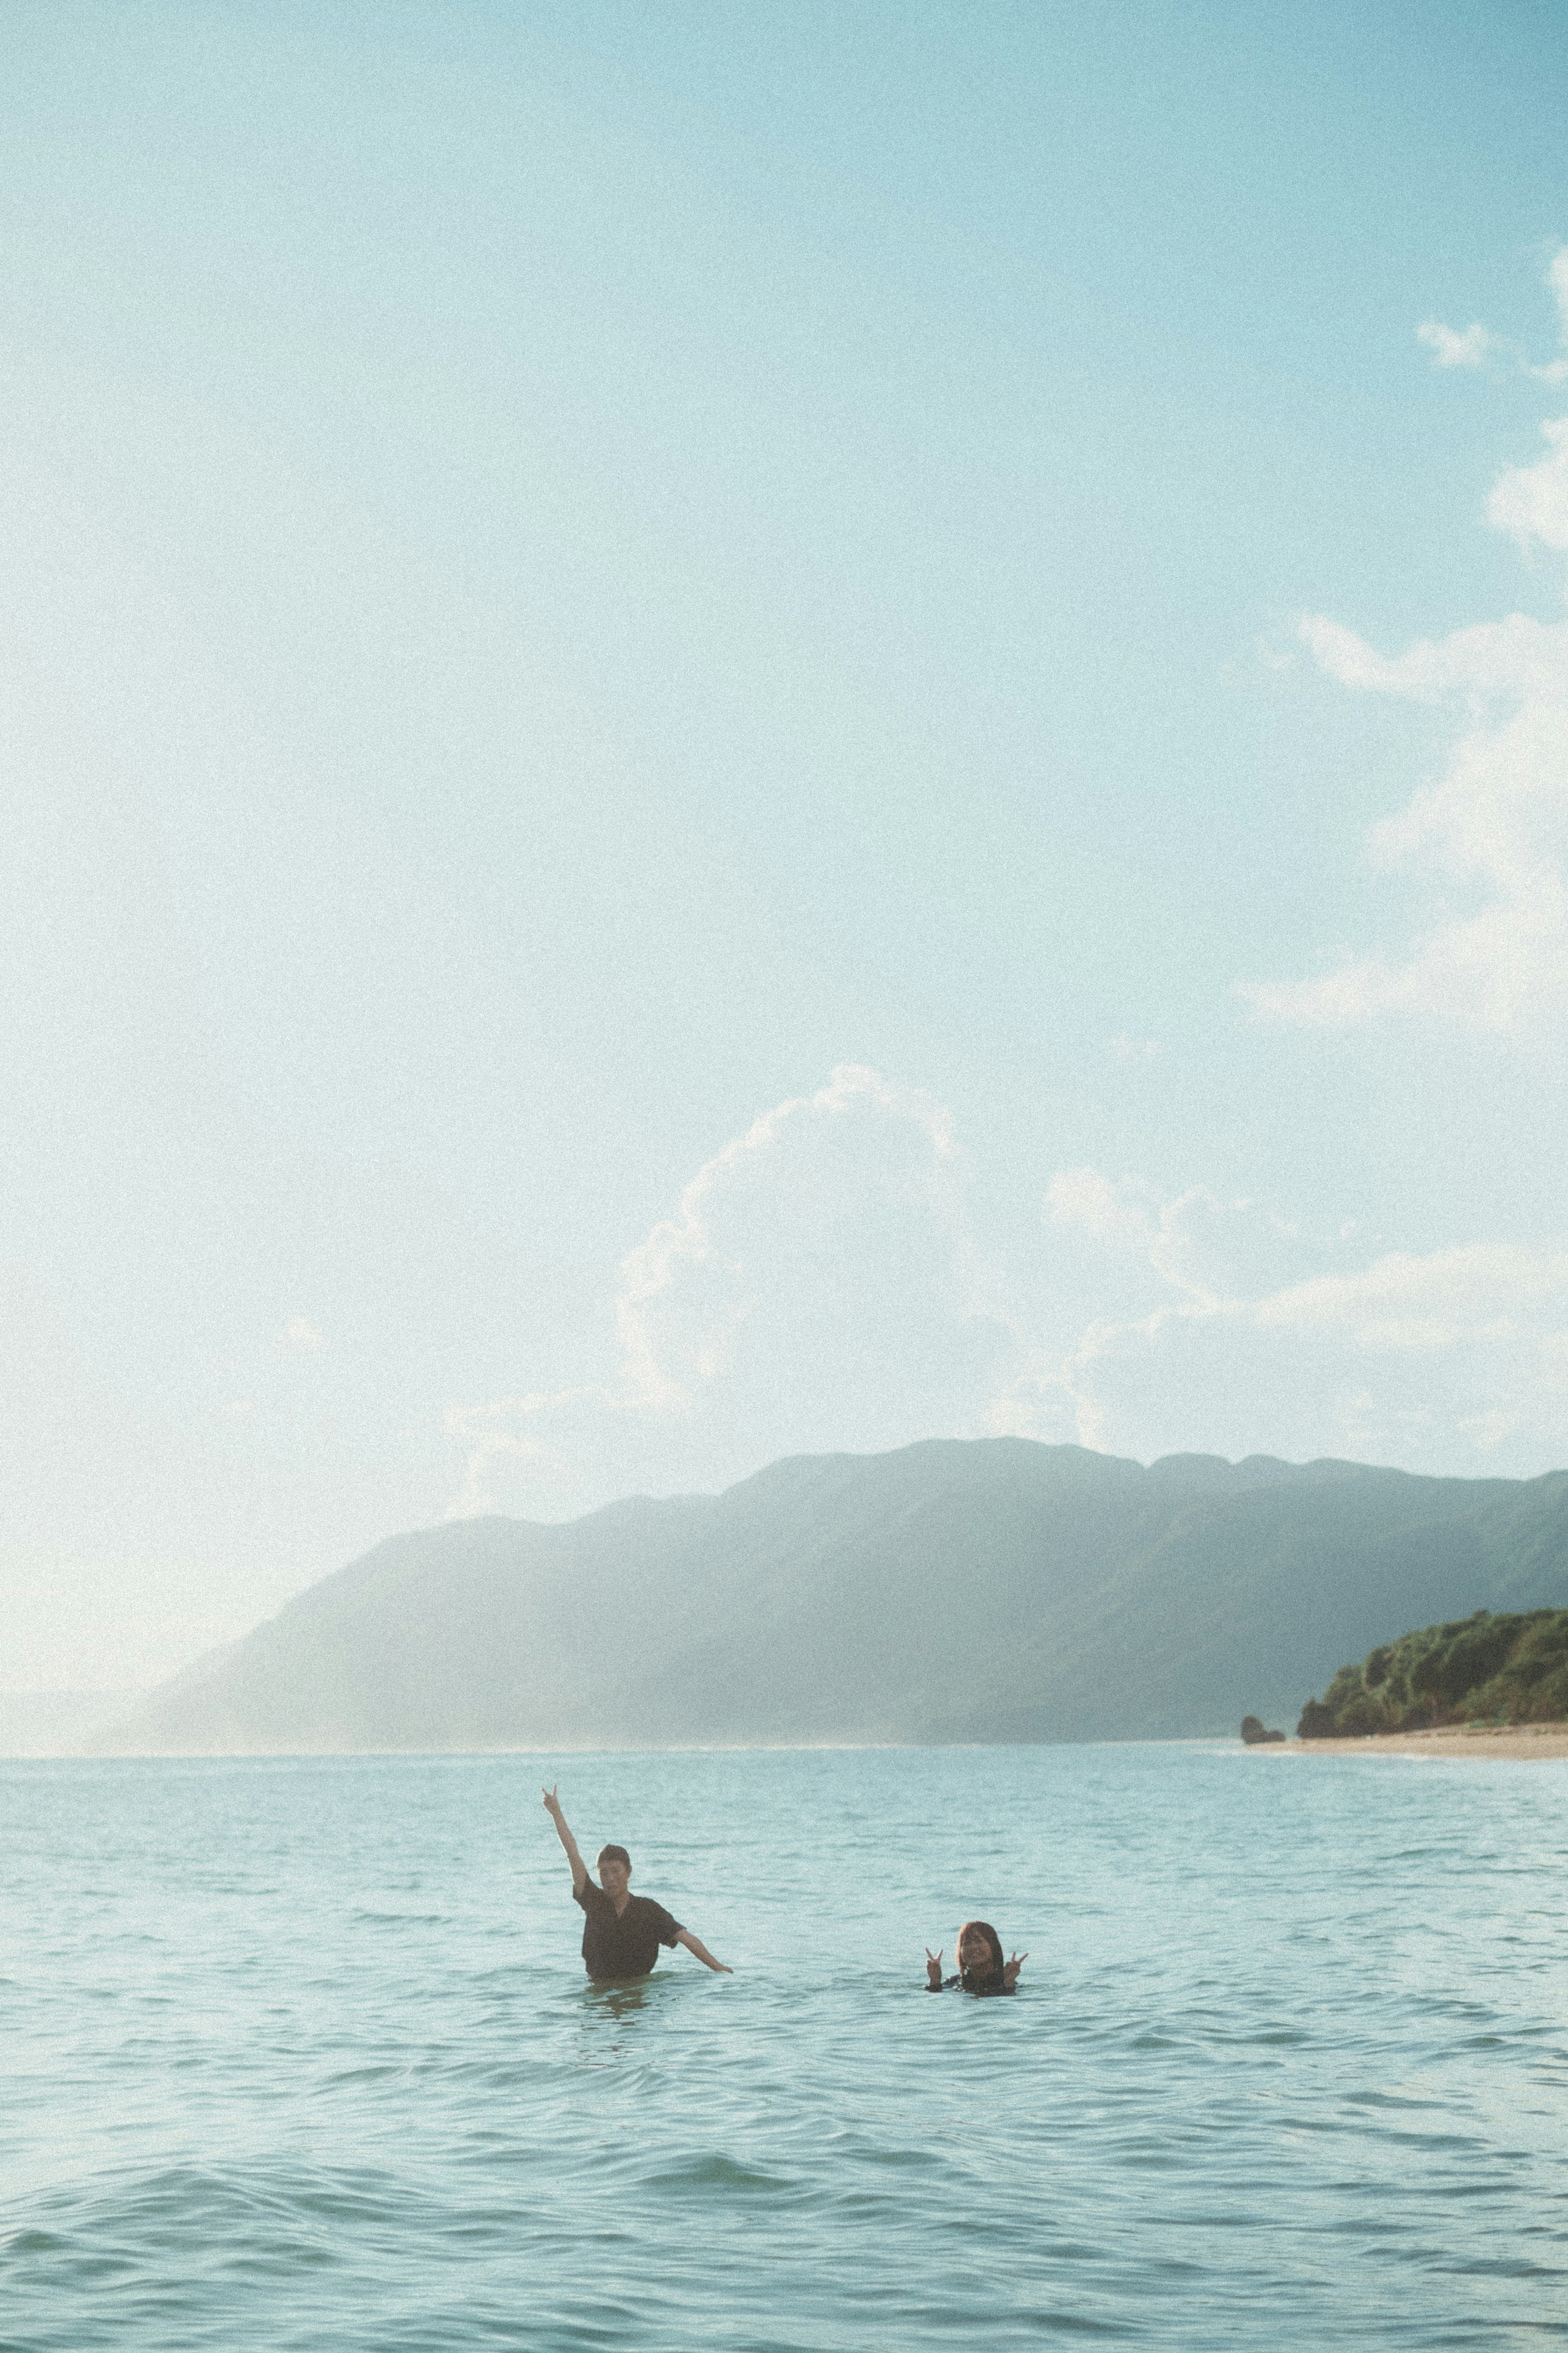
985,1590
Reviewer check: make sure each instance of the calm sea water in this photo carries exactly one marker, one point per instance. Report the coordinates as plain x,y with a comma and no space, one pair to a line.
300,2054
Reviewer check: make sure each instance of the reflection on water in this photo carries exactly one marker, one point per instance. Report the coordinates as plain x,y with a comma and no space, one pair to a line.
300,2054
610,2002
617,1996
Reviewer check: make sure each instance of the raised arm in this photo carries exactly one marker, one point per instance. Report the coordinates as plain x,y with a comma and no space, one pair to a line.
695,1945
934,1970
579,1868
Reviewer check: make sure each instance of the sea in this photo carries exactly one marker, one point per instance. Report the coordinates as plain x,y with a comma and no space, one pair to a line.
298,2053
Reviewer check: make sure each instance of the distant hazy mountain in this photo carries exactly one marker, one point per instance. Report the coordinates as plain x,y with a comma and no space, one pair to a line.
954,1591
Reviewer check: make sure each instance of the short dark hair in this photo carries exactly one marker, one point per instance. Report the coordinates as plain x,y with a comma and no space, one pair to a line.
613,1855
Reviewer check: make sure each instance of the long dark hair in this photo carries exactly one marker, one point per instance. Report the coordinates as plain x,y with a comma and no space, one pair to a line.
981,1928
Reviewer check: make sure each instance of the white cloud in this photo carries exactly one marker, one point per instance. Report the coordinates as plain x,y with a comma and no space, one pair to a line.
301,1337
1468,348
815,1288
1492,832
1495,826
1211,1251
1556,371
1475,347
1531,502
1424,1358
1136,1049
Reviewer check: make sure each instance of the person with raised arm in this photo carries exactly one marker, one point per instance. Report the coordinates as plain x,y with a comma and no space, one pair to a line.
981,1969
622,1932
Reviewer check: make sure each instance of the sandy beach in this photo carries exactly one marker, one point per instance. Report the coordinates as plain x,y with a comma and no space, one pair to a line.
1530,1742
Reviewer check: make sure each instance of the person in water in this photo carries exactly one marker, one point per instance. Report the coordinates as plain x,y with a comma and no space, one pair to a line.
623,1932
981,1969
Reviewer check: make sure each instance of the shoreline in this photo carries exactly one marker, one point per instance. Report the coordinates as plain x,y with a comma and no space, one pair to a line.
1523,1743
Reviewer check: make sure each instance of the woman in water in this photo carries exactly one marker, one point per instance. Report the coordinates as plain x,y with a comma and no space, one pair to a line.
981,1969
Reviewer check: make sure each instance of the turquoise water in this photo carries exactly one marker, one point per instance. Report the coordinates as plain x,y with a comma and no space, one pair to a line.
299,2055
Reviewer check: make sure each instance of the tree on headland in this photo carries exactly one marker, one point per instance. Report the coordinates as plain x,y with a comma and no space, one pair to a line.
1487,1669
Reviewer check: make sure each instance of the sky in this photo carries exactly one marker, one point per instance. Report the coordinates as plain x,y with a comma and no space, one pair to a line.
734,732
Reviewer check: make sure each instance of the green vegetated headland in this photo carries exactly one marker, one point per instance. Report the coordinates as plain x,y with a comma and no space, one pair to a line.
1503,1669
990,1590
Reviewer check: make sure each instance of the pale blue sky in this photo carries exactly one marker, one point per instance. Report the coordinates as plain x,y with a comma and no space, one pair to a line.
570,572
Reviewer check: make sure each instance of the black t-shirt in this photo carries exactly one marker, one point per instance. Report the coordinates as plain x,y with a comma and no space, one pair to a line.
623,1946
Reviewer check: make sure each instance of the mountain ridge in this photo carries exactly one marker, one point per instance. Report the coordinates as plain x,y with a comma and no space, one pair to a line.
953,1590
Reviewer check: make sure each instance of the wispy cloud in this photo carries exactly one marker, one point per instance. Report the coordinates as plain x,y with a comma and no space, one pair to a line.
301,1337
1468,347
1531,502
1476,346
1446,1353
1494,828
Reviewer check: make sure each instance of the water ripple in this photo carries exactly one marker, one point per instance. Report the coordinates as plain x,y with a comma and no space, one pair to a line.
300,2056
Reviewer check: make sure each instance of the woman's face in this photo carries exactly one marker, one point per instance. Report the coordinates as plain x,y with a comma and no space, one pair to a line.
974,1953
